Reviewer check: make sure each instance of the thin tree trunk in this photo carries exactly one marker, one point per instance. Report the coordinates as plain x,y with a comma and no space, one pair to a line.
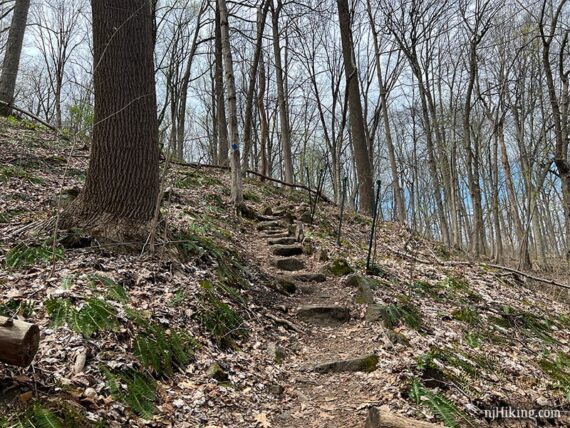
281,100
237,186
221,123
12,55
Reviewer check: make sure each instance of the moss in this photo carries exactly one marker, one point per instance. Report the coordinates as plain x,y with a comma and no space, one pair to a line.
339,267
216,372
398,338
369,363
196,179
12,171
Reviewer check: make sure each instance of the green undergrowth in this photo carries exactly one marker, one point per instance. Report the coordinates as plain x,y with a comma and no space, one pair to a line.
404,312
57,414
443,367
529,324
441,407
449,290
218,318
135,389
557,367
196,178
11,307
24,255
14,171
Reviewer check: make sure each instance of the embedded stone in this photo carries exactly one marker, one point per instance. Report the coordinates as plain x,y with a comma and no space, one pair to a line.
287,250
366,364
289,264
324,315
309,277
339,267
287,240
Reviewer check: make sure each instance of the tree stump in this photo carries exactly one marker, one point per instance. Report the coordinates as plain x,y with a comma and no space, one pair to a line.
378,418
19,342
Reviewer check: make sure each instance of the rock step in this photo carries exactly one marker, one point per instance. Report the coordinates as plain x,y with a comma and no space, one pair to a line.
367,364
286,240
289,264
287,250
272,224
275,234
309,277
261,217
324,315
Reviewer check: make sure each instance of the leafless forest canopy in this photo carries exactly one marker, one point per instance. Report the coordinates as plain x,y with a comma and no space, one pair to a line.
465,104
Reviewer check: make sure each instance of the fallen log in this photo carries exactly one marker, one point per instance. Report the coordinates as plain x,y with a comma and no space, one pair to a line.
378,418
19,342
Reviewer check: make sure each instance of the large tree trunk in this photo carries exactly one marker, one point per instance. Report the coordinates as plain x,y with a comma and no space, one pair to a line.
359,140
237,187
122,184
12,55
283,113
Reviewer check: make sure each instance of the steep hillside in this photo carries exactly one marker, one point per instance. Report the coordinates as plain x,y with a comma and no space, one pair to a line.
240,323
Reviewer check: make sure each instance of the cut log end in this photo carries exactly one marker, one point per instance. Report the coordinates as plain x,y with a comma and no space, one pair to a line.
378,418
19,342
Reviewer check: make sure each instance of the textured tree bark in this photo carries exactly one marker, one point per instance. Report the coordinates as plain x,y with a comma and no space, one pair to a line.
237,186
264,126
359,140
19,342
222,124
12,55
283,113
121,189
261,17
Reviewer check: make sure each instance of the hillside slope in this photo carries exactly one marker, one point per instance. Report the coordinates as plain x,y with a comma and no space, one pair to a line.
212,330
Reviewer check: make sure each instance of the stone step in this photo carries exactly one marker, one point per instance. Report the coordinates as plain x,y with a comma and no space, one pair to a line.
286,240
271,225
309,277
290,264
272,234
287,250
367,364
324,315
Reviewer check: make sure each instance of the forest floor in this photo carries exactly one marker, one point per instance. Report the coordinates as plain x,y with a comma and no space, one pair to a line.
211,331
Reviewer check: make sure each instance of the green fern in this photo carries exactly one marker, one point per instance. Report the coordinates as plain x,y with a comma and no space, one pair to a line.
559,370
115,291
163,351
134,389
450,415
220,320
400,313
95,315
23,255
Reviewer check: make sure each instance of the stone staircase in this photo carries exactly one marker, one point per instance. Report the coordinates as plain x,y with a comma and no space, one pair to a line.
326,308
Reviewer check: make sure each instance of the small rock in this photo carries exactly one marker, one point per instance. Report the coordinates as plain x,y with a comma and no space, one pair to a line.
215,371
90,393
276,389
322,255
299,232
308,247
276,352
324,315
542,401
366,364
339,267
289,264
286,250
373,313
287,285
306,217
364,294
398,338
267,211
